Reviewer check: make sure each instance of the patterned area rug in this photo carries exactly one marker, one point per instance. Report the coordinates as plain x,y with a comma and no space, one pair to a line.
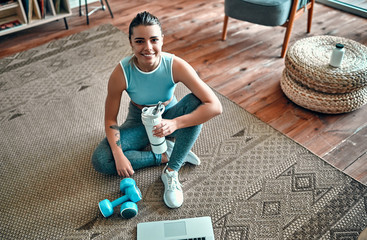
254,182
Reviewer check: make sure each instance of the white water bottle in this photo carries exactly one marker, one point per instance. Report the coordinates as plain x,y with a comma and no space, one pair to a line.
337,55
151,116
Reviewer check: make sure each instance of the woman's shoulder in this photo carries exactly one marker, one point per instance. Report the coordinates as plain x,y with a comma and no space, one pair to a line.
167,55
179,62
175,60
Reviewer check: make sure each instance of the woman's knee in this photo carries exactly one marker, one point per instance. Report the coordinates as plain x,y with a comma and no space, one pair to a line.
191,102
102,159
195,101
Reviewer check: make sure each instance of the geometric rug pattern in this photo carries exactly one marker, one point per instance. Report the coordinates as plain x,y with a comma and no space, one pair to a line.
254,182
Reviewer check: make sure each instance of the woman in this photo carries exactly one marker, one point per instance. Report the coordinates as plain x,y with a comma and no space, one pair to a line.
150,76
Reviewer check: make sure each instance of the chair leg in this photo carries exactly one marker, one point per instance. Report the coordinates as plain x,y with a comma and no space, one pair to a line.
225,24
109,9
102,5
66,23
286,40
309,17
289,27
80,7
86,11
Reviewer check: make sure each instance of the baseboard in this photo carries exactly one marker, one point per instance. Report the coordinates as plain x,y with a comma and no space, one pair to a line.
344,6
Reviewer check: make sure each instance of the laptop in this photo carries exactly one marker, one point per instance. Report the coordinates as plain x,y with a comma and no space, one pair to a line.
199,228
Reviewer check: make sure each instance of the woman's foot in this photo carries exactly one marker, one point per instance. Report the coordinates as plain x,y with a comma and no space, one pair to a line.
173,195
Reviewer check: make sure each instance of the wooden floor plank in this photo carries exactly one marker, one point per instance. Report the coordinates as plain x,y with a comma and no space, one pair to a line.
357,170
341,157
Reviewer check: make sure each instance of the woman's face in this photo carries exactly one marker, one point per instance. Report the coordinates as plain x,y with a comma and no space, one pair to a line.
147,42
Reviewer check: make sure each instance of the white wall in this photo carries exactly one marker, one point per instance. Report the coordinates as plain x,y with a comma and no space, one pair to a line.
75,3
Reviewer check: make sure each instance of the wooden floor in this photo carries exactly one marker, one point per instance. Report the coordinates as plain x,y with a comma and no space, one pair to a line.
246,67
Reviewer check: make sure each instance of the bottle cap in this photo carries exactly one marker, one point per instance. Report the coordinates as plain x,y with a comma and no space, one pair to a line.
339,45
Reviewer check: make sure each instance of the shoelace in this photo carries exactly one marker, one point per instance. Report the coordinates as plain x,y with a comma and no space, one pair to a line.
173,182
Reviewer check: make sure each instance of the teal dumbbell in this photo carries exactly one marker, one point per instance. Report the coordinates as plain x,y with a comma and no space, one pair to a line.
129,208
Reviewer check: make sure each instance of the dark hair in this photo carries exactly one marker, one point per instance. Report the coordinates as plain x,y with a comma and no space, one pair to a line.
145,19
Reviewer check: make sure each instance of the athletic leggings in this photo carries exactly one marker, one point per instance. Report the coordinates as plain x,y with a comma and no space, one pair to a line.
134,139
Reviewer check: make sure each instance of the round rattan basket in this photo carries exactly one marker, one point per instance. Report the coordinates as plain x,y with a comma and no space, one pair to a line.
319,101
307,62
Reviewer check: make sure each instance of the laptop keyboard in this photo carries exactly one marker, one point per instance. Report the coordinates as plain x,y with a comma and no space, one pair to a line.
199,228
199,238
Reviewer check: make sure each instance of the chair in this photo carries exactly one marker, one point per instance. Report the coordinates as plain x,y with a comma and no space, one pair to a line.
102,7
268,13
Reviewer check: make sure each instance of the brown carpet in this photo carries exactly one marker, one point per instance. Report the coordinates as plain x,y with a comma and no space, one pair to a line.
254,182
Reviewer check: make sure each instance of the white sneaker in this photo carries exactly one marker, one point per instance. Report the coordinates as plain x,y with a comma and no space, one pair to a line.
173,195
190,158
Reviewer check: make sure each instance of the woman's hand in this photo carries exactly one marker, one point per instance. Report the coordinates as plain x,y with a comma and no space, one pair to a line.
123,167
165,128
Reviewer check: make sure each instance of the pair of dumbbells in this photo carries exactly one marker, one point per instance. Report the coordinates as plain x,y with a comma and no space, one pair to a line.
128,208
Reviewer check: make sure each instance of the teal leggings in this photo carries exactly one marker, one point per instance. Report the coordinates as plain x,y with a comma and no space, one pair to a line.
134,139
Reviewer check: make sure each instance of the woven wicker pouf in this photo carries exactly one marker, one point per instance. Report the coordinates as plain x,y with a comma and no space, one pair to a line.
309,81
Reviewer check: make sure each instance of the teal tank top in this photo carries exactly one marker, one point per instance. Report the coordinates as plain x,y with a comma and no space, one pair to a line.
148,88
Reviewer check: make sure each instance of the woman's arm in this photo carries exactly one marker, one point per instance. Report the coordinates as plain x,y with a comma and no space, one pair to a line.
116,86
210,107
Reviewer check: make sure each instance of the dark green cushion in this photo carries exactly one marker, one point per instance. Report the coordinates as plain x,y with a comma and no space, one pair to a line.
263,12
